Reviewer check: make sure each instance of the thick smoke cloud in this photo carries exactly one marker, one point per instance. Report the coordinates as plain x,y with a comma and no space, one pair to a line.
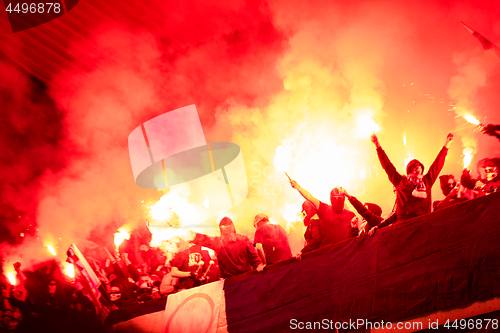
292,83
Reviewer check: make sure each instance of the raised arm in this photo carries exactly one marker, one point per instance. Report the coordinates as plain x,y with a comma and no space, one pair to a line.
305,194
438,163
368,215
390,170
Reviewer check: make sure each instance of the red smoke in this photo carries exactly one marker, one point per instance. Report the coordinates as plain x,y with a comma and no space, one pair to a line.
261,74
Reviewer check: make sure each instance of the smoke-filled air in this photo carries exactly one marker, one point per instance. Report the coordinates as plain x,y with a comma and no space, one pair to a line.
299,86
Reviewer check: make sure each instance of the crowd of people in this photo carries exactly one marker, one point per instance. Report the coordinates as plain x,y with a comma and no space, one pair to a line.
49,303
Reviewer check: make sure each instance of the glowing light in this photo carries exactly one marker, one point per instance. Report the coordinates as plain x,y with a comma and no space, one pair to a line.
292,214
12,278
362,174
282,157
366,126
471,119
120,236
69,270
206,203
160,235
468,152
174,208
404,139
51,250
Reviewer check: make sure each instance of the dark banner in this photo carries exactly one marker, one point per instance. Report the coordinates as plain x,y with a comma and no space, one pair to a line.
441,260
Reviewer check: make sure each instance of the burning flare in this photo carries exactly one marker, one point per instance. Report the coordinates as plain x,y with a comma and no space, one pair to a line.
120,236
467,156
12,278
471,119
51,250
366,125
69,270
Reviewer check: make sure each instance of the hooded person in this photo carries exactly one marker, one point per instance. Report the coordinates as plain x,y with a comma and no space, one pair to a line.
270,241
489,177
335,220
312,235
454,192
413,191
371,213
235,253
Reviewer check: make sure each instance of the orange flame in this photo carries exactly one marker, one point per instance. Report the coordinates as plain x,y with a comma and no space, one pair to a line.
51,250
12,278
471,119
120,236
69,270
468,152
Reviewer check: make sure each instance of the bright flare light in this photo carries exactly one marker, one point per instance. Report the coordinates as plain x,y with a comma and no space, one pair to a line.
467,156
366,125
69,270
161,234
206,203
174,208
283,156
51,250
12,278
120,236
471,119
404,139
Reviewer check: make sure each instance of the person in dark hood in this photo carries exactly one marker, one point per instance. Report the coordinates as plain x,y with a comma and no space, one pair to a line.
371,213
454,192
489,177
335,221
413,190
235,253
312,235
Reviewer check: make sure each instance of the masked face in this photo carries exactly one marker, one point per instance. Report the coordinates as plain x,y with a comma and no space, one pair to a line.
416,170
52,287
491,173
115,294
227,230
337,202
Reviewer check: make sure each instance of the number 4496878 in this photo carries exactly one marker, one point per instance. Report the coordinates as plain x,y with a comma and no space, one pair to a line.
33,8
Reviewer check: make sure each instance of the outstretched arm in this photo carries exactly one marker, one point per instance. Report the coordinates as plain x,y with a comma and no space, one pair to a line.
370,217
305,194
390,170
438,163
